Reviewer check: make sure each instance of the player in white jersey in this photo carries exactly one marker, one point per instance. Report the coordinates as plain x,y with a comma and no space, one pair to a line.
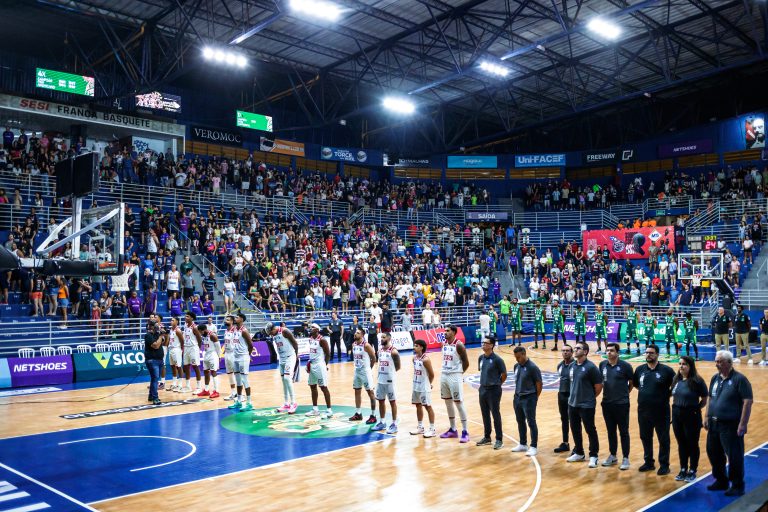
455,363
423,374
191,352
211,358
243,346
175,344
317,367
287,350
230,332
389,363
364,358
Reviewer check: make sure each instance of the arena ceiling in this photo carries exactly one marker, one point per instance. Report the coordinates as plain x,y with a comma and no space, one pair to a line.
430,50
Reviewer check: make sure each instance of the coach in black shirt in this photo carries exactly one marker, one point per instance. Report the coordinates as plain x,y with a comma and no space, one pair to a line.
563,393
528,387
617,383
493,373
728,410
653,381
586,386
721,324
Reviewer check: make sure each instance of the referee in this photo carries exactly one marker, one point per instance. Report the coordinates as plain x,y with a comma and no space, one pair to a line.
653,381
617,383
336,328
493,373
528,386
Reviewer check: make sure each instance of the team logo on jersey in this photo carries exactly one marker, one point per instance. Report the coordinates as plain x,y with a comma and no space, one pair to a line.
550,381
270,423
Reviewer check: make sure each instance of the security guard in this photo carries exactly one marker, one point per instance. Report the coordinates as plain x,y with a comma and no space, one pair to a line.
336,328
741,327
721,325
653,381
728,410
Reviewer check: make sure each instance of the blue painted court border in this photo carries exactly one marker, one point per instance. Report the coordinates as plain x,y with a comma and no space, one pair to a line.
101,468
695,495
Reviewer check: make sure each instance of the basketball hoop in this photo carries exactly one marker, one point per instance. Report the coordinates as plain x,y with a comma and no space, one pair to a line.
120,281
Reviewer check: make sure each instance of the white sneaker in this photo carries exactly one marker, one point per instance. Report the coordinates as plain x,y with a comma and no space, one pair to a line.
186,389
197,391
624,464
430,432
313,412
750,361
593,462
737,360
532,451
575,457
230,397
763,363
418,432
177,389
520,448
610,461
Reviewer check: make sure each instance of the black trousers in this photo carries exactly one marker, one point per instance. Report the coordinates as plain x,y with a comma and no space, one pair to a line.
722,442
490,402
585,415
686,424
336,342
562,406
617,416
650,419
525,412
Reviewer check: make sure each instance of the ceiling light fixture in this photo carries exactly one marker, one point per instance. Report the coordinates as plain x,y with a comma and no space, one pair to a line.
224,57
604,28
399,105
494,69
316,9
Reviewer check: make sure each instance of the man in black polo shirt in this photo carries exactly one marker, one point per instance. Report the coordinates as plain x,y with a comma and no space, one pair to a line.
527,390
763,336
586,386
563,393
386,318
741,327
617,383
721,324
653,381
728,410
336,328
493,373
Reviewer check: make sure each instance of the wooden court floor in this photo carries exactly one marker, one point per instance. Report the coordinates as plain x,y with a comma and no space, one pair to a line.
397,473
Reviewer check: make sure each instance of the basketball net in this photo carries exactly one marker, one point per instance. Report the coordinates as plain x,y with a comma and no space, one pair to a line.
120,281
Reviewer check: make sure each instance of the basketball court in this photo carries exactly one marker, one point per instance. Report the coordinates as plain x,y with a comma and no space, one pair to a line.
104,448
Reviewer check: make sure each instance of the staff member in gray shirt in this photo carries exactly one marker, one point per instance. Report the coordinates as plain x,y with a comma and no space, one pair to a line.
586,386
728,411
527,390
493,373
563,393
617,383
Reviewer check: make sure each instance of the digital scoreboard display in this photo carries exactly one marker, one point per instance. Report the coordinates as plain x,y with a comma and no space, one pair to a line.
709,242
159,101
254,121
64,82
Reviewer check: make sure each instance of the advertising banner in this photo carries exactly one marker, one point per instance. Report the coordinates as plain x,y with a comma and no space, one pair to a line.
628,243
487,216
260,353
401,340
628,155
109,365
215,136
611,330
693,147
88,115
546,160
659,333
435,338
472,162
280,146
412,162
343,155
303,347
157,100
754,131
36,371
600,157
5,374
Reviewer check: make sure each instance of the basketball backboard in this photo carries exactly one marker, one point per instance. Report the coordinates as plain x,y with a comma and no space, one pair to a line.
707,265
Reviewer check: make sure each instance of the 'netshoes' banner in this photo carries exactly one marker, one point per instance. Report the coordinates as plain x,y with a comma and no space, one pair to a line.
35,371
628,243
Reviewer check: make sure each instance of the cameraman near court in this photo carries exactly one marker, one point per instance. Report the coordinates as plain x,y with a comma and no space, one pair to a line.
154,356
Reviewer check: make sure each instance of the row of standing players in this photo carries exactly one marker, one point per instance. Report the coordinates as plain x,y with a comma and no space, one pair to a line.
728,400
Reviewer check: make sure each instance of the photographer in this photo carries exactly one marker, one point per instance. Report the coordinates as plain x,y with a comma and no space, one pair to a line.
153,354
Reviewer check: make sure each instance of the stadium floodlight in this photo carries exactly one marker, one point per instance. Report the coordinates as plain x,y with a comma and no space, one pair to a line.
316,9
224,57
604,28
494,69
399,105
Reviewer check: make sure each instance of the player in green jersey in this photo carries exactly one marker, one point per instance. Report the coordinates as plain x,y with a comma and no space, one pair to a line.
516,322
580,324
632,328
601,327
649,323
558,323
670,331
691,327
539,317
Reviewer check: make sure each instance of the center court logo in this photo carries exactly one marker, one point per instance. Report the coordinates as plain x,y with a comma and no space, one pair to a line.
549,380
270,423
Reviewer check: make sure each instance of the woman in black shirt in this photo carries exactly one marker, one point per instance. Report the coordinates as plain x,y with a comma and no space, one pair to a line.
689,396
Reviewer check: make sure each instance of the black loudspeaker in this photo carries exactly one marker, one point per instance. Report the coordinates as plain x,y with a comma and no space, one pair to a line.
85,174
70,268
63,172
